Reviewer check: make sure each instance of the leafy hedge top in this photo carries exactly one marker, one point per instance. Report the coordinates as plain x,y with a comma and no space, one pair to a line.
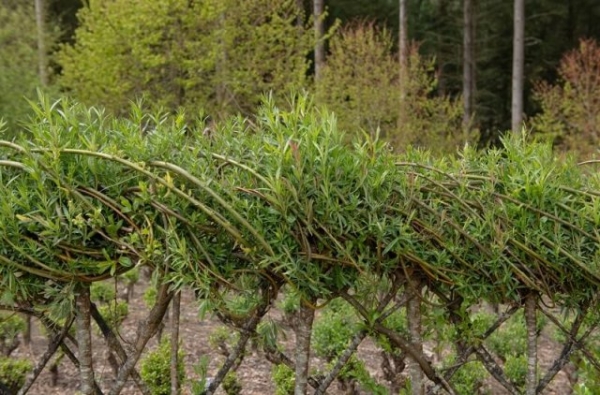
284,199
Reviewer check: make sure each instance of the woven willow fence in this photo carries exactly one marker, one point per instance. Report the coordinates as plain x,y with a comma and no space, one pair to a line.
285,206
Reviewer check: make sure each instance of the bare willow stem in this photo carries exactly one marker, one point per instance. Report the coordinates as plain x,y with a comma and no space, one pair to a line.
115,345
53,344
237,353
146,329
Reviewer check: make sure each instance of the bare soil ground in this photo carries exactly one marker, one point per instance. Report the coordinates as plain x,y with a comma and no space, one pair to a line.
255,371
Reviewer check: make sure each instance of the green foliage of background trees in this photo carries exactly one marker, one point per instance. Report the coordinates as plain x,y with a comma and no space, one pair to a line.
18,61
215,55
219,56
571,108
361,85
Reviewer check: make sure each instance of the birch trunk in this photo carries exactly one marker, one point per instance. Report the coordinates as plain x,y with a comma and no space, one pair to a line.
40,19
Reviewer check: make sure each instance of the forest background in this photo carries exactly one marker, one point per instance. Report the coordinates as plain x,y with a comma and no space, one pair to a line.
218,57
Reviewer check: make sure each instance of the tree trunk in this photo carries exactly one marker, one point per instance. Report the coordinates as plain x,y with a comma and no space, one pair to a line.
403,35
468,62
403,63
440,54
304,321
518,72
221,67
27,332
413,317
40,19
530,323
299,19
318,8
84,339
175,385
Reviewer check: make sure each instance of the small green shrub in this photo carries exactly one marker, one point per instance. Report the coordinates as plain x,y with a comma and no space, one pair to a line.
10,327
231,384
588,377
102,292
13,372
114,314
150,296
469,378
155,369
132,276
222,337
355,372
284,380
333,330
290,303
199,384
515,368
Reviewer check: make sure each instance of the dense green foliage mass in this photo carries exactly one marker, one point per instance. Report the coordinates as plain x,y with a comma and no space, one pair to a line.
217,55
285,199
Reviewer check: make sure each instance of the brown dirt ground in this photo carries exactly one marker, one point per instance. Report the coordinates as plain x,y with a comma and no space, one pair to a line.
255,371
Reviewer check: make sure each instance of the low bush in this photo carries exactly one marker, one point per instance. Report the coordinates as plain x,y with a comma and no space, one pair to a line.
13,372
283,377
10,327
155,369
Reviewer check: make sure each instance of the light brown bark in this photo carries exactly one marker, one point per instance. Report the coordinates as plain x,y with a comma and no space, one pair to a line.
403,61
518,72
84,339
403,35
304,321
318,9
530,323
40,19
175,385
413,316
468,62
300,7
